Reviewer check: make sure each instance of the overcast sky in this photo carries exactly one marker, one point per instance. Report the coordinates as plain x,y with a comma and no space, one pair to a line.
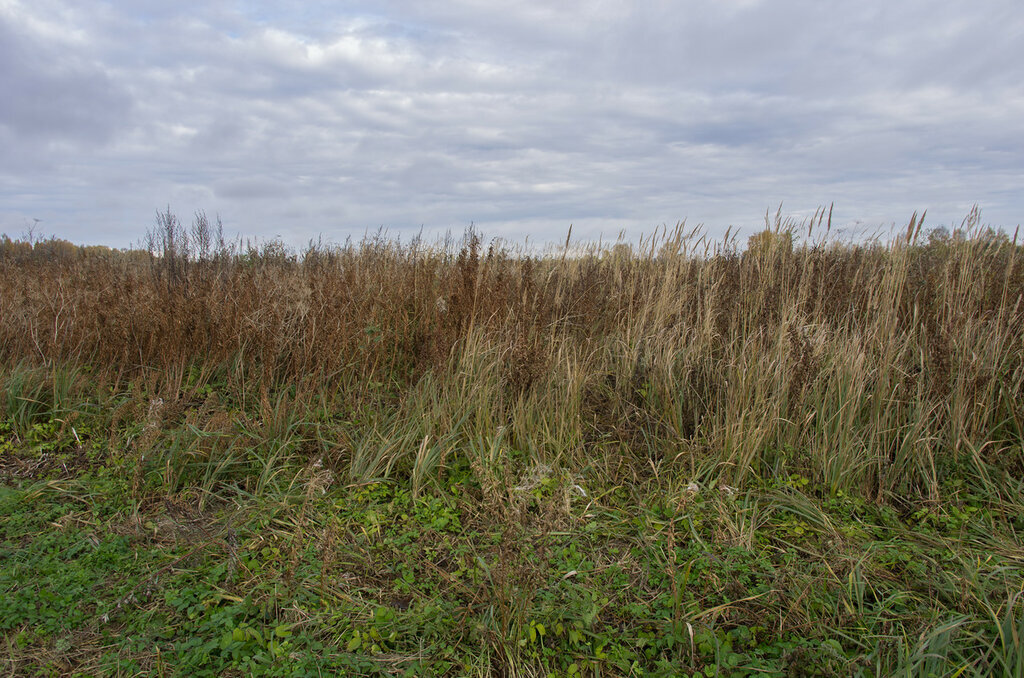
334,118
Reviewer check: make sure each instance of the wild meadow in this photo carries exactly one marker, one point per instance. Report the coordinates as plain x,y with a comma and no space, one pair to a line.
789,456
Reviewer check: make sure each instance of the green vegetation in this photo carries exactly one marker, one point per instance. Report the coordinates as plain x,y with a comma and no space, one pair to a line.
800,459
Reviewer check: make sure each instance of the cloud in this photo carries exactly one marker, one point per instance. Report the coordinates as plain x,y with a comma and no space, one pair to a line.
56,99
522,118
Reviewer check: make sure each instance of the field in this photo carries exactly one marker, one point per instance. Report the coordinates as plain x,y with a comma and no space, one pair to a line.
793,456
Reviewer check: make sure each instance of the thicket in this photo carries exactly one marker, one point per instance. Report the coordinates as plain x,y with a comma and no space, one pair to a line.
879,368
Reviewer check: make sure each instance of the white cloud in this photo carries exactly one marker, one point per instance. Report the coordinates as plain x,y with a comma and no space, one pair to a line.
522,118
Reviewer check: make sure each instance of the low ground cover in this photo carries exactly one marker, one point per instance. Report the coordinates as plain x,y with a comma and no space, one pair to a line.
106,569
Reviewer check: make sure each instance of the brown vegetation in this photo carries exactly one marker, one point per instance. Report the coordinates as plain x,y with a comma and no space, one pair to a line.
873,367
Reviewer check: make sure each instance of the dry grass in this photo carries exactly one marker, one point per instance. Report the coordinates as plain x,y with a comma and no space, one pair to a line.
874,368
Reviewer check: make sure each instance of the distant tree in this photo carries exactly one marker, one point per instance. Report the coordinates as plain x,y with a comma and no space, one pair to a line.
14,249
621,251
768,242
55,249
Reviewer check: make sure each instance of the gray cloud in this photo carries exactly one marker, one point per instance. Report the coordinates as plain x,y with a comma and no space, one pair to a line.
523,119
55,101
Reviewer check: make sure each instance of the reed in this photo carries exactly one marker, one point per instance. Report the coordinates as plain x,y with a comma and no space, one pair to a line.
877,368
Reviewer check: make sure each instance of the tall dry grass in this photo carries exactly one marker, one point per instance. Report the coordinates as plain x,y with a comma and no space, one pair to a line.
881,368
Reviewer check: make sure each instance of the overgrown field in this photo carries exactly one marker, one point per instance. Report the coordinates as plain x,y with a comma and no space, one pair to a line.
799,457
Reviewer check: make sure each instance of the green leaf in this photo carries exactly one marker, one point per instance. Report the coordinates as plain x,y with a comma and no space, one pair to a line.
354,643
226,640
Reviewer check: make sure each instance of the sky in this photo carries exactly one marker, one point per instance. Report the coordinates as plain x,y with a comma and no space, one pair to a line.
314,119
